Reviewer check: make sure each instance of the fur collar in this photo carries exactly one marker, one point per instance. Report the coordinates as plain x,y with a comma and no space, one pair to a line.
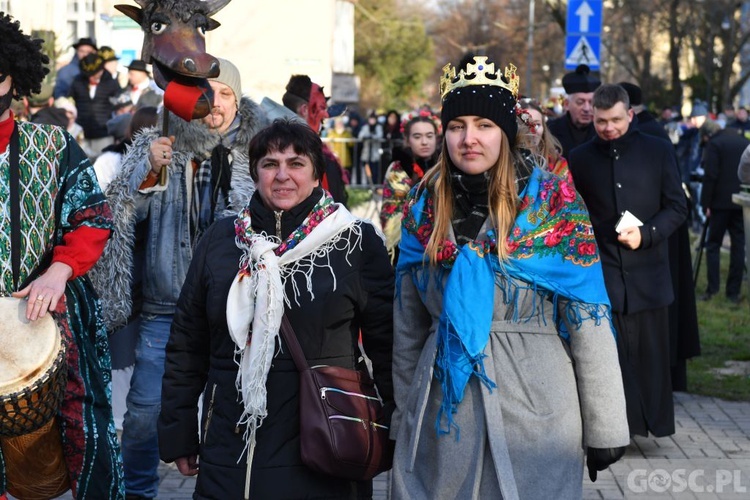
193,136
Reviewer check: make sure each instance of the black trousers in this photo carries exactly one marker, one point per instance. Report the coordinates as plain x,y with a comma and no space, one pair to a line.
643,349
719,223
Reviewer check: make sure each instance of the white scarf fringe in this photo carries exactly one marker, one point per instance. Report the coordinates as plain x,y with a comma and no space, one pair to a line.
256,303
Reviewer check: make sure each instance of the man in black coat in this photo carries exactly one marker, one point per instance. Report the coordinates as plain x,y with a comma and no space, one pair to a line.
721,156
575,127
683,315
92,90
621,170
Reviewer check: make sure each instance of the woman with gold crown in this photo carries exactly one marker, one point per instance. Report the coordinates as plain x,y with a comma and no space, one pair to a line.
505,366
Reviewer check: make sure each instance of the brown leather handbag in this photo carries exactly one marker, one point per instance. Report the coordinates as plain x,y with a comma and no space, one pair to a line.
342,428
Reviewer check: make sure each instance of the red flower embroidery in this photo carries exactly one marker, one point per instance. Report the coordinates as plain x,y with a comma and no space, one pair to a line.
586,248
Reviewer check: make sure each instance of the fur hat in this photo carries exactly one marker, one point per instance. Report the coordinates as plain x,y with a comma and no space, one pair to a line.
229,76
580,81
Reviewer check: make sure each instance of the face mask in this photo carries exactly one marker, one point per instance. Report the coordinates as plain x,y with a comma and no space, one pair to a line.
5,101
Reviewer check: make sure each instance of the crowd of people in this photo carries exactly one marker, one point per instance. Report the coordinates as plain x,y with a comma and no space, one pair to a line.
524,301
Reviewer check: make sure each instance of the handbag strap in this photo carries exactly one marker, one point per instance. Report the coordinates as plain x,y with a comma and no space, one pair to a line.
15,206
287,332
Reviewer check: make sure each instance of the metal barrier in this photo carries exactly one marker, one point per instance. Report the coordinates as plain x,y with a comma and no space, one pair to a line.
368,159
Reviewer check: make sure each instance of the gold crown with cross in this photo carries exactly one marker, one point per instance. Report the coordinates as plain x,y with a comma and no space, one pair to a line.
479,73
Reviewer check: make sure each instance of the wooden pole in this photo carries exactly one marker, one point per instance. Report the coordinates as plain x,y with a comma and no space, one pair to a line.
164,133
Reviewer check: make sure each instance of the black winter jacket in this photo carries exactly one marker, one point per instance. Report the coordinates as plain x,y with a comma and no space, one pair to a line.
721,156
93,114
200,353
636,172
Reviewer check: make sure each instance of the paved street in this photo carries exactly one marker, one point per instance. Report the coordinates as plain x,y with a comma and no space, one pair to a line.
708,458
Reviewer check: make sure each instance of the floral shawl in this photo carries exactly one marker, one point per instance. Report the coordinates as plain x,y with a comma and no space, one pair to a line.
552,248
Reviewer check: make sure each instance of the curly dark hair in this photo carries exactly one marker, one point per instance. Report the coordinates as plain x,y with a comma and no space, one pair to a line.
21,58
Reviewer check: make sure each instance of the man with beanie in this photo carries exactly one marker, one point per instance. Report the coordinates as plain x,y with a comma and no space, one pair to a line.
91,90
575,126
207,178
645,120
623,169
722,153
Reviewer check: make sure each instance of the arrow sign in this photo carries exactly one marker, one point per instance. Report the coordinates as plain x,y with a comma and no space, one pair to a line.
583,13
583,37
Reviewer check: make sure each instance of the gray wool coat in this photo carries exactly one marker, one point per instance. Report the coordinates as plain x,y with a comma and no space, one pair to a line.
524,439
111,275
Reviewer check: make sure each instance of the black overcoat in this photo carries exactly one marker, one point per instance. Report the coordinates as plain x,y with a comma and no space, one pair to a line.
93,114
562,129
721,156
638,173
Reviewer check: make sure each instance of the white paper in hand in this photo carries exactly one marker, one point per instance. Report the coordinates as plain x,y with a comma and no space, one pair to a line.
627,220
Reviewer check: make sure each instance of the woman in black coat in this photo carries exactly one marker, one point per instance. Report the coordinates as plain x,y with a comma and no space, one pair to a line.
332,278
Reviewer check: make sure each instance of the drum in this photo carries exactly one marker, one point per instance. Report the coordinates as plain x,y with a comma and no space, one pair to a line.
32,384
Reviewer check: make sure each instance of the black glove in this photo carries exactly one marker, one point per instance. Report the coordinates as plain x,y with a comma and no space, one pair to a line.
600,458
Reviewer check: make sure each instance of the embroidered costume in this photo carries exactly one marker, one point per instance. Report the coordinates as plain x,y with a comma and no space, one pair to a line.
397,184
63,208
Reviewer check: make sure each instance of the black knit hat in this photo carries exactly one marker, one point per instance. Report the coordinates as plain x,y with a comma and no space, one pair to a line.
494,102
580,81
635,94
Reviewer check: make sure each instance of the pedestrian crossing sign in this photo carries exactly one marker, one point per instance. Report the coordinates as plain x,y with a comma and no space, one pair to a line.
582,49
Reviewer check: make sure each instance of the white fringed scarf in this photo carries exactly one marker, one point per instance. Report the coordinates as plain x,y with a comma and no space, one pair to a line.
257,297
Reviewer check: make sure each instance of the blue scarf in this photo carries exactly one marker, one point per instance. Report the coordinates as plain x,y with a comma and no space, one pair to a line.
552,249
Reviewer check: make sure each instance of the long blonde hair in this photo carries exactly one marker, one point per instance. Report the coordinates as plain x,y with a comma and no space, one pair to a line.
503,197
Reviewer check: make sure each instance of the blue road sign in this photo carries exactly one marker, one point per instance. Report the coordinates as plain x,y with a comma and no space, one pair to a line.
584,27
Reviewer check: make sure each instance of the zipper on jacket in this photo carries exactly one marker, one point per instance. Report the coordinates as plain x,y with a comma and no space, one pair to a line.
323,391
209,414
278,222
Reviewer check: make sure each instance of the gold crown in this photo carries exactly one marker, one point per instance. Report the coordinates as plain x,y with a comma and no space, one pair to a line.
478,73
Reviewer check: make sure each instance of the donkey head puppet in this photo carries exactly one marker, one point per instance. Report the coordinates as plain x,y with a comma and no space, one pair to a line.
174,43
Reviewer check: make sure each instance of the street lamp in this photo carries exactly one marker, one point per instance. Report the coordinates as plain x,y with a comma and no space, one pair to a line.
530,48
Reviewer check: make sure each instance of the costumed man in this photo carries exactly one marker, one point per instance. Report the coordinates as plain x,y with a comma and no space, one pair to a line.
684,338
575,127
92,91
66,74
141,86
622,170
63,224
207,177
307,101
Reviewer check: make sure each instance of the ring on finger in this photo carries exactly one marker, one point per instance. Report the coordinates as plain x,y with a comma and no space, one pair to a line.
39,298
164,155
